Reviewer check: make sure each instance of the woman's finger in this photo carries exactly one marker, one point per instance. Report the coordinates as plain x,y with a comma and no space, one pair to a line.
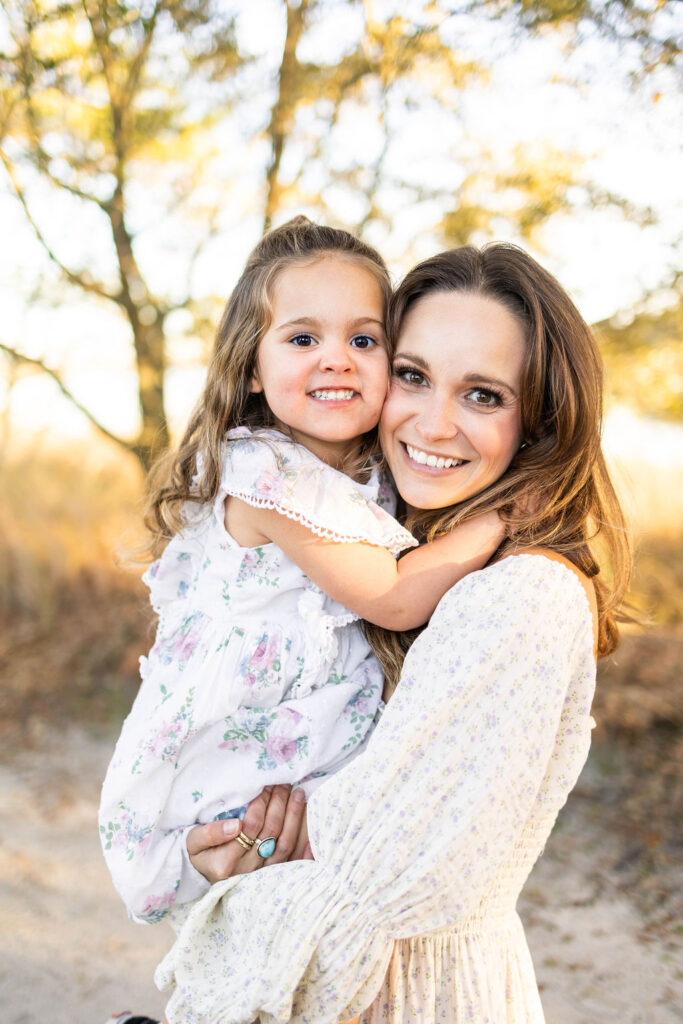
269,828
275,815
203,837
253,821
291,828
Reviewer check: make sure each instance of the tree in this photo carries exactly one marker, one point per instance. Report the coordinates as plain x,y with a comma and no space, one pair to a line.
102,100
644,355
94,92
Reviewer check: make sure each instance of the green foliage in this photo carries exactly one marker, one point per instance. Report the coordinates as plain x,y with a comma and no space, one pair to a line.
644,360
648,28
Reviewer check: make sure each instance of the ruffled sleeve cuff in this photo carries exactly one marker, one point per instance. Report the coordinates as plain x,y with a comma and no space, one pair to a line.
292,935
268,470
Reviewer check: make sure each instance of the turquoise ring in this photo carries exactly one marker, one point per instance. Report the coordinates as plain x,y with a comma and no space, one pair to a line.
266,847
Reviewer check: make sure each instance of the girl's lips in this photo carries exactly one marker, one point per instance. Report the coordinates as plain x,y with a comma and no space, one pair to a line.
333,395
430,462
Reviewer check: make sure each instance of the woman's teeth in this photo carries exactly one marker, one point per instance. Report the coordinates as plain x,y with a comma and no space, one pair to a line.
432,460
333,396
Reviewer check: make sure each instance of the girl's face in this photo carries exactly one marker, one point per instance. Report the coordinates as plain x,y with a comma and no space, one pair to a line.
322,364
452,423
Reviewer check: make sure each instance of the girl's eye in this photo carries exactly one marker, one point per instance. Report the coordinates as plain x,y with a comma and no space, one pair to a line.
409,375
363,341
302,340
485,397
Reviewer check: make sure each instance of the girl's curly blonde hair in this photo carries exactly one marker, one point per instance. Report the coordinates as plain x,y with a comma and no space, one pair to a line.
227,400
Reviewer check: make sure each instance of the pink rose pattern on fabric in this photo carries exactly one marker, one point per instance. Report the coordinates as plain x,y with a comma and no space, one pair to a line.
166,742
179,647
271,736
156,907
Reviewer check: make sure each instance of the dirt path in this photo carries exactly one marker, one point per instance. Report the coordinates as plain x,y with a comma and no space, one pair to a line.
70,956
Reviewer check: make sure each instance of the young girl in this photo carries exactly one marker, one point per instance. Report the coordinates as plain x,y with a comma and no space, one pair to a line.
260,672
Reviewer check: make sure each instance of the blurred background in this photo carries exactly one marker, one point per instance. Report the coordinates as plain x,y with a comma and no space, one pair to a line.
145,148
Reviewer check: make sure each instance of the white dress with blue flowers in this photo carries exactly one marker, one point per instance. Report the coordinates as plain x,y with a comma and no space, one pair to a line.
256,676
423,843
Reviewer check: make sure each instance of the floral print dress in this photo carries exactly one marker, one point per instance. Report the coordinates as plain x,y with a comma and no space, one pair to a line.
255,677
423,843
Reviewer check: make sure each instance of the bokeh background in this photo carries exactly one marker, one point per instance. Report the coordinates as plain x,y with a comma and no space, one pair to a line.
145,147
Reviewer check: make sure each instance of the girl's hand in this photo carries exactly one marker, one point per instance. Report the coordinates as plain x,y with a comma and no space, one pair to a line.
275,812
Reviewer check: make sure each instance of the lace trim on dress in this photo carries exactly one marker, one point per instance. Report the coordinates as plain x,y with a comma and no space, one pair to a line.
265,469
394,541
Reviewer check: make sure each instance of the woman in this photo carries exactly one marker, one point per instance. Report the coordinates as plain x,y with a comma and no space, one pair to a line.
423,843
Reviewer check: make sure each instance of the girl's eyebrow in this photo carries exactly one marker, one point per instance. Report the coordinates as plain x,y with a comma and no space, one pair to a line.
309,321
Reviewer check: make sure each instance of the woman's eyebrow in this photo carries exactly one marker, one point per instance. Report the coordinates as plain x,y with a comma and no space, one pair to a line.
418,360
483,378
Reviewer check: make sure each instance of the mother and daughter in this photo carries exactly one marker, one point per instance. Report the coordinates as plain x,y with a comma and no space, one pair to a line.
274,529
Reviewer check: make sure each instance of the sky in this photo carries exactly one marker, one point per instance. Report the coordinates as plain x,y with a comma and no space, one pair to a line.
630,142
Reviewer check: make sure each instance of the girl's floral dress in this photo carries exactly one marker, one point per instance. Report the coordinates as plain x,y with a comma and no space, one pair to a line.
255,677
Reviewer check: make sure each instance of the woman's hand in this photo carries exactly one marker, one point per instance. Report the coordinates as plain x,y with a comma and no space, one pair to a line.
276,812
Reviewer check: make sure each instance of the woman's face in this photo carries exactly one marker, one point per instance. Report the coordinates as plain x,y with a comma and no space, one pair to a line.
452,423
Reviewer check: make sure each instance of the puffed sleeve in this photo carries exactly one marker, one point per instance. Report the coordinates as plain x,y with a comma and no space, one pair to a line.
407,838
268,470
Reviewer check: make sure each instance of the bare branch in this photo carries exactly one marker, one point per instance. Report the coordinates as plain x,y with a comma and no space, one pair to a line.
138,64
86,283
38,364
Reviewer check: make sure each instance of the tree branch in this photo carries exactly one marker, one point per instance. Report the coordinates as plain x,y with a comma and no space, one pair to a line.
87,284
38,364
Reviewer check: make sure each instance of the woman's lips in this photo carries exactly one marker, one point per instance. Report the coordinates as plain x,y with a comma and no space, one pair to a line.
431,461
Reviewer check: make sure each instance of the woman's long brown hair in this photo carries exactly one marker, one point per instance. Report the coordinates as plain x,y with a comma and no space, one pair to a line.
556,493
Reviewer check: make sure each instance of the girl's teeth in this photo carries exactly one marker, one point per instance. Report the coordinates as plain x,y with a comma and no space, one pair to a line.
431,460
333,396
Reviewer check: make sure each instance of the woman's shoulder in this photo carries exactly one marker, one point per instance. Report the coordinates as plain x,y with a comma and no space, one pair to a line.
525,571
521,587
585,581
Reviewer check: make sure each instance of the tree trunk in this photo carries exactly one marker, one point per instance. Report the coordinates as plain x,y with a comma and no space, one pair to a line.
282,114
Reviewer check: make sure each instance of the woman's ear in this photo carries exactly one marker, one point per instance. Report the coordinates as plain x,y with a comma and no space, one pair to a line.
255,385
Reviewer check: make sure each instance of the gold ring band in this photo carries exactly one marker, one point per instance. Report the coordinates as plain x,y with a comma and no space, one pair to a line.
245,842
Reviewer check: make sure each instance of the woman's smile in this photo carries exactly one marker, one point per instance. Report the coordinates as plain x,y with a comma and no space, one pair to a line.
431,460
452,422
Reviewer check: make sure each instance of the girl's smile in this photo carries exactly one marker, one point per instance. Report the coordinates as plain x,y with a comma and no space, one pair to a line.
452,421
323,363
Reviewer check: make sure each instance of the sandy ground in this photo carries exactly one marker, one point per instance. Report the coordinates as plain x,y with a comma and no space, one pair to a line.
70,956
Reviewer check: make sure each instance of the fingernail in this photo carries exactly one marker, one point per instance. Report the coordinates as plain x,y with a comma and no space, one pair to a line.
268,789
299,796
231,827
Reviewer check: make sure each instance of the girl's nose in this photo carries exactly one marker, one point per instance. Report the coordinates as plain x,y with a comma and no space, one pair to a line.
437,422
336,356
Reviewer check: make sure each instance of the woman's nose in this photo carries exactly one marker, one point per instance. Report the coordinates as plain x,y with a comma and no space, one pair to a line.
437,422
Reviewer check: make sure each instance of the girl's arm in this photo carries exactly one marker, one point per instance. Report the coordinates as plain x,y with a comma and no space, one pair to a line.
368,579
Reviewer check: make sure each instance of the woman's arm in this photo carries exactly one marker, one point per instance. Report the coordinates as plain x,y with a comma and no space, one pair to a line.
367,579
490,720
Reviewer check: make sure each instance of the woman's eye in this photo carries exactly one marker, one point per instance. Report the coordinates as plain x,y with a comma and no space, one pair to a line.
484,397
302,340
363,341
410,376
